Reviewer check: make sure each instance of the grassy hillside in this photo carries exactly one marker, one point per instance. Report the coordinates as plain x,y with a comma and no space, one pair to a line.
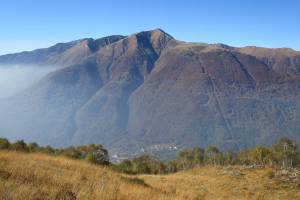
37,176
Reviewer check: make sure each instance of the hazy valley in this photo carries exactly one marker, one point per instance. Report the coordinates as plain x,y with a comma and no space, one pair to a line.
148,92
149,100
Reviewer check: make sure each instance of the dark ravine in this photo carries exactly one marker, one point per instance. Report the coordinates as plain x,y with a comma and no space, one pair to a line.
148,91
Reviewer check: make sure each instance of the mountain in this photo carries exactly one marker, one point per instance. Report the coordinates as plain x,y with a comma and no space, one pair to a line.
150,92
61,54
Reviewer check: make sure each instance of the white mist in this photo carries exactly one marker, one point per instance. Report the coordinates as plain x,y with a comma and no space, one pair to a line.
16,78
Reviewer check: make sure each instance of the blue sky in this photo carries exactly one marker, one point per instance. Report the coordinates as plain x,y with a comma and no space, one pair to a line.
31,24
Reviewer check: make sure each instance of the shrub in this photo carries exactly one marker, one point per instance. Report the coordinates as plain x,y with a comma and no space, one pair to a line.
4,143
286,152
125,166
19,145
48,150
96,154
33,147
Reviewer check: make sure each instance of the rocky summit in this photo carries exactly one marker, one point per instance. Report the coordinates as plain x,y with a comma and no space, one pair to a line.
149,92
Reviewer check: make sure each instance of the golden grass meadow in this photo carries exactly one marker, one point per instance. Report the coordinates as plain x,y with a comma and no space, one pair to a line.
41,177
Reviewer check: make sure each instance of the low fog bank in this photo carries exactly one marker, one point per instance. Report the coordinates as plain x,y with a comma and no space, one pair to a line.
16,78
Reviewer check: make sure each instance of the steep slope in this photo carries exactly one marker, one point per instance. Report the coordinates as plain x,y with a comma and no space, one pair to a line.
87,99
207,95
281,60
123,66
150,92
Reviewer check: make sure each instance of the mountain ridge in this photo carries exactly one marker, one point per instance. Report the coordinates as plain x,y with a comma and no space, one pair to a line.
132,93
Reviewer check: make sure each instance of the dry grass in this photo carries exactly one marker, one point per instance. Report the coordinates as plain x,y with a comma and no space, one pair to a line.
35,176
221,183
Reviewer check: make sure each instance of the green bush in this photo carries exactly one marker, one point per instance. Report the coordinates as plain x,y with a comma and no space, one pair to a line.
125,166
4,143
33,147
19,145
96,154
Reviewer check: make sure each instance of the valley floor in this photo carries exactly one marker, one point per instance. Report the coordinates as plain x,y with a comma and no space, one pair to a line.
36,176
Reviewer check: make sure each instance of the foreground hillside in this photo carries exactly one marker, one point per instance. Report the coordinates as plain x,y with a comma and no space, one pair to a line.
36,176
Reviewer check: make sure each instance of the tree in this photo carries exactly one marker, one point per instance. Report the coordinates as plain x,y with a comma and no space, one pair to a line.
190,158
172,166
73,152
229,158
125,166
4,143
19,145
33,147
185,159
48,150
198,155
97,155
244,157
286,152
142,164
260,155
147,164
213,154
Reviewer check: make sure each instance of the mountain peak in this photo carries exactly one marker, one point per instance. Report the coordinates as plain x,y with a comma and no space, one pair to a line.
156,38
157,33
149,91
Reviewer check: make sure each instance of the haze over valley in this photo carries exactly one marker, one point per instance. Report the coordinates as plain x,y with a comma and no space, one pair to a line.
150,100
14,79
148,92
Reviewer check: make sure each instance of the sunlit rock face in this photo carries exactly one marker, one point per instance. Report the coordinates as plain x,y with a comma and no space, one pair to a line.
150,91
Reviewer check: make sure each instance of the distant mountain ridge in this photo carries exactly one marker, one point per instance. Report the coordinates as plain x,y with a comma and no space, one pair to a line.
150,92
62,54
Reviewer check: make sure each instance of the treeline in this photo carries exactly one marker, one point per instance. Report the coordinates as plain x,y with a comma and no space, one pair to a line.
284,153
93,153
